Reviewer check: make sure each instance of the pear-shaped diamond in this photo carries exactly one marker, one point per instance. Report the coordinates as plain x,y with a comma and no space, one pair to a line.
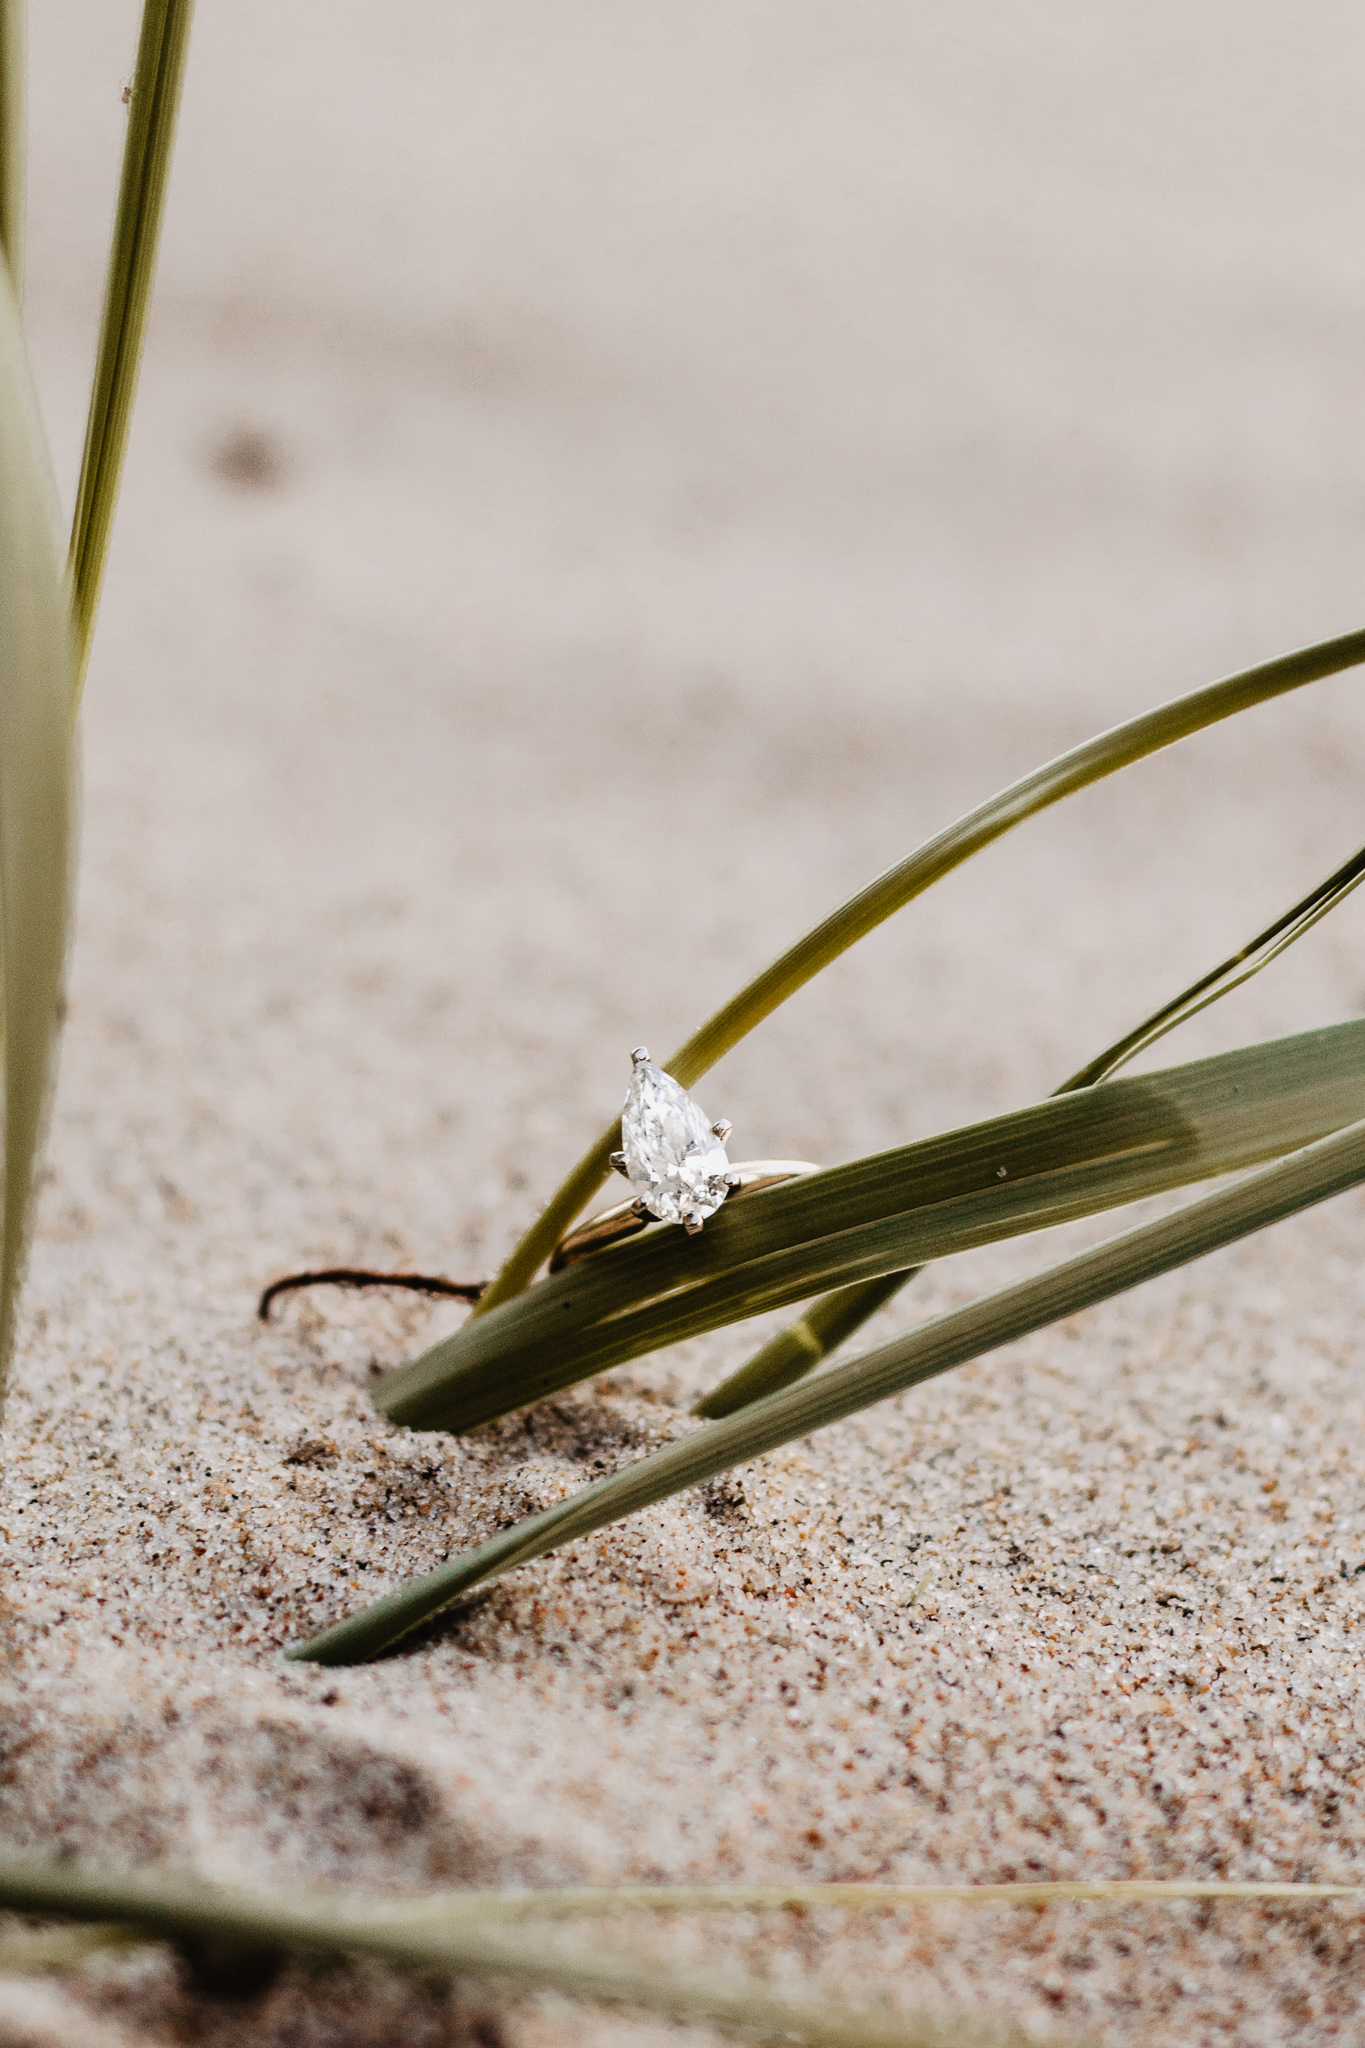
674,1159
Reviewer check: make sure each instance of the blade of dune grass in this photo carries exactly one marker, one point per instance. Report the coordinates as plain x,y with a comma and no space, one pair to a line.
1229,974
53,1949
155,104
178,1908
60,1948
804,1344
410,1928
1119,748
1326,1168
590,1901
13,141
1069,1156
794,1352
35,796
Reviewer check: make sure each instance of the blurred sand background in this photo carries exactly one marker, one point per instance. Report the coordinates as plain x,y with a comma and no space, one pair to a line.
607,480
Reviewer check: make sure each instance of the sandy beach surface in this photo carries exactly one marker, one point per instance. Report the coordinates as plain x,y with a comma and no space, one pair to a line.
607,481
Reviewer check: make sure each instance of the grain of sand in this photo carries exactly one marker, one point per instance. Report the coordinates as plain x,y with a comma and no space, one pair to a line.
606,483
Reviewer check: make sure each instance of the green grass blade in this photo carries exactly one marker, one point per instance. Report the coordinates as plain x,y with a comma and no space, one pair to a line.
13,141
1076,770
794,1352
1312,1175
36,800
178,1907
55,1949
1231,973
1069,1156
147,151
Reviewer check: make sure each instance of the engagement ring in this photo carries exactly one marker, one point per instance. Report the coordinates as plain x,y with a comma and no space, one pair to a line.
676,1161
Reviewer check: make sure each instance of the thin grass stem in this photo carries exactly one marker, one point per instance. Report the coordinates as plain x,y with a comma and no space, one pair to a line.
155,104
1268,945
588,1902
50,1950
13,140
177,1907
793,1352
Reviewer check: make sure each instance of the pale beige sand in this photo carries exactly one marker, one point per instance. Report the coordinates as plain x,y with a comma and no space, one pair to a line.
697,453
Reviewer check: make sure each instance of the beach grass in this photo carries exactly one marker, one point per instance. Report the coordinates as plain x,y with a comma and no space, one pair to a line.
1289,1113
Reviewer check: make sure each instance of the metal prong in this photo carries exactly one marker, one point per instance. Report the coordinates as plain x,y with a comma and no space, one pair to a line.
693,1223
618,1162
722,1128
640,1055
640,1207
734,1180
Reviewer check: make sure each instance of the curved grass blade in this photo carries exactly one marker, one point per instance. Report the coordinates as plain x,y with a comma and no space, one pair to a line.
13,141
177,1907
1069,1156
1256,954
794,1352
155,104
1118,748
36,801
1263,1197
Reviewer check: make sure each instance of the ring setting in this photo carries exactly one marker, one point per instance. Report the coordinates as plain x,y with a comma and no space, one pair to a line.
675,1159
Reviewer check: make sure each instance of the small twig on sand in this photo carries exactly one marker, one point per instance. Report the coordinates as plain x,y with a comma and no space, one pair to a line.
351,1276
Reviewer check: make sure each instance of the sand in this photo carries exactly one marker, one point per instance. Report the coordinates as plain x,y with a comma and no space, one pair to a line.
605,484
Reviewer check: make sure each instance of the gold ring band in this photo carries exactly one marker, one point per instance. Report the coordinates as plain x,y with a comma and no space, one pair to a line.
608,1226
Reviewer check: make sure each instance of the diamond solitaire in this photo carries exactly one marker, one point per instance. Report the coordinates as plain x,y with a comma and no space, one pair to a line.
672,1156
